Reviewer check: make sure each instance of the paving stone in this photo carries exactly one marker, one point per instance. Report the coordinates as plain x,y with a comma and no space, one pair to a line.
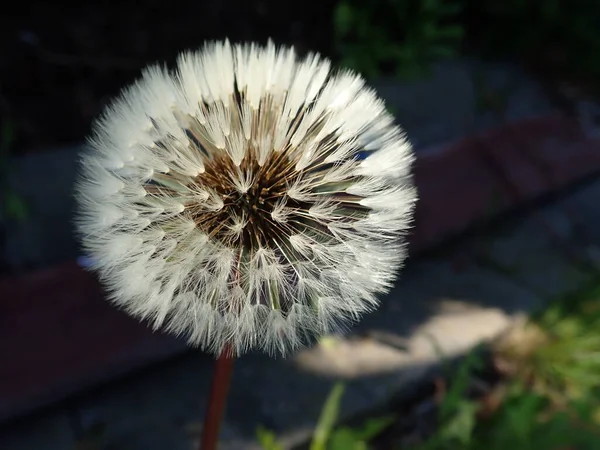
59,335
463,96
549,251
434,301
440,107
44,181
151,410
51,431
505,93
165,404
539,156
497,170
584,215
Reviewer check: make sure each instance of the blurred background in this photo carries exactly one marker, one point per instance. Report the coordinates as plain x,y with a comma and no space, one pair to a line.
61,63
491,337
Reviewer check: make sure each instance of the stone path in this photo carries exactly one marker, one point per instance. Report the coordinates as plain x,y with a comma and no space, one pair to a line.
464,294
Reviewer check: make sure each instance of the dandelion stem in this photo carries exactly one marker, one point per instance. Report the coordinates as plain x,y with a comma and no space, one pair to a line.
217,399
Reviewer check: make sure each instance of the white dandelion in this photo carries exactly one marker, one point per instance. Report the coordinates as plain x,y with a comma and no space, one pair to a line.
248,198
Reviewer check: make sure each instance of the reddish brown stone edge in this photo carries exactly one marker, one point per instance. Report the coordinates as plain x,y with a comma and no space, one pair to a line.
58,336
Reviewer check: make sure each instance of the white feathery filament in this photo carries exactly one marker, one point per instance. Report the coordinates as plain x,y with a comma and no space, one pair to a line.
248,197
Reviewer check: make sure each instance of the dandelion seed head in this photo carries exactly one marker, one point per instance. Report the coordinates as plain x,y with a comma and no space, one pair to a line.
248,197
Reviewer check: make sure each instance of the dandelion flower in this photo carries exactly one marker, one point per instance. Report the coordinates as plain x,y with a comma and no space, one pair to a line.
248,198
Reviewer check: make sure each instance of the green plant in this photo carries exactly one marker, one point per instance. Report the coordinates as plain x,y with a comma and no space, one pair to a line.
267,439
326,436
562,33
559,353
396,36
525,421
554,400
456,413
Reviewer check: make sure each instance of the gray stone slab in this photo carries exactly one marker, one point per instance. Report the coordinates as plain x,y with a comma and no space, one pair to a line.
584,215
552,250
52,431
433,303
437,108
44,181
151,410
505,93
164,407
460,97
